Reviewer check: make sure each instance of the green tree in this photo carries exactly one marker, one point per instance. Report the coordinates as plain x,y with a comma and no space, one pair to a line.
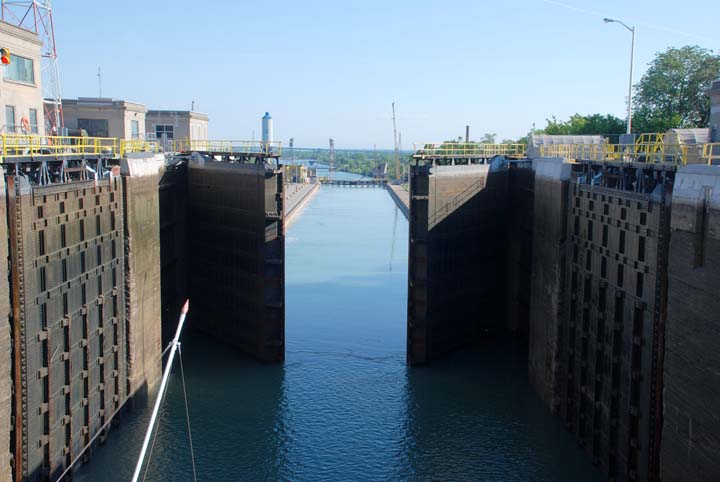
597,124
672,92
488,138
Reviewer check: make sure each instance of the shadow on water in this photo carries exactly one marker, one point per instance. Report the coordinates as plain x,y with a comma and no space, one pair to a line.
236,430
344,405
473,415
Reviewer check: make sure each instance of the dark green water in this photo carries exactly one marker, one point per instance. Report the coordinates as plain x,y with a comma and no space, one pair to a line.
344,405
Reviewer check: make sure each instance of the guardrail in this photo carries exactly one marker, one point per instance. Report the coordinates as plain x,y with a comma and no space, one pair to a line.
649,148
138,145
230,147
468,149
13,146
678,154
711,153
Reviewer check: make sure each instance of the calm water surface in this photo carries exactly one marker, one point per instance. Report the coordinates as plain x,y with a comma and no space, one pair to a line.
344,405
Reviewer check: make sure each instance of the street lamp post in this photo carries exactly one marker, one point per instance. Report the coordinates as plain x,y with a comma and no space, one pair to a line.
632,54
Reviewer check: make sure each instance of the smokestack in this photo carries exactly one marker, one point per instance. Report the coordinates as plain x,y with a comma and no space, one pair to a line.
467,134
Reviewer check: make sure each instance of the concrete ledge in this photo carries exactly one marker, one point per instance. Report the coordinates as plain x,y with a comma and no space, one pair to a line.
401,198
142,164
696,189
552,168
300,203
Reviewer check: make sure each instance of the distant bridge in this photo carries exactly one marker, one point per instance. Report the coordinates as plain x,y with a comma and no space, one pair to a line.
354,183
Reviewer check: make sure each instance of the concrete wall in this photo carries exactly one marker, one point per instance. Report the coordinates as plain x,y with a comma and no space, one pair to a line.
691,422
141,177
456,257
236,255
20,95
548,266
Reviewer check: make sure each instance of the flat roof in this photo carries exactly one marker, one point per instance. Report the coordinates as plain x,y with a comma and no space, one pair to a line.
104,102
179,113
20,32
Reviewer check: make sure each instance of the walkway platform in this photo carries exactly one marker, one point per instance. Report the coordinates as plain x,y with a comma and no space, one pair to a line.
296,196
401,198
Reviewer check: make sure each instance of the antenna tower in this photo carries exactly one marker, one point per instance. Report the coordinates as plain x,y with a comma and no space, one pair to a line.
36,16
332,158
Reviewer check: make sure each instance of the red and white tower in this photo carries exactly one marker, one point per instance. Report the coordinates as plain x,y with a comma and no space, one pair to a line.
36,16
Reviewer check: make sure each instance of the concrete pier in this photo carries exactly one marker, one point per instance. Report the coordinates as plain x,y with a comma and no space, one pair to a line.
297,196
401,198
548,267
691,426
141,177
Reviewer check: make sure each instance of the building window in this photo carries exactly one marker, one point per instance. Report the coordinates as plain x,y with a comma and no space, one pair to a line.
33,121
164,130
20,70
135,129
10,119
95,127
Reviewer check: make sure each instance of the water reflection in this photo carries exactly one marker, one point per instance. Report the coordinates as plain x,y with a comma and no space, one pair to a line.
344,405
474,416
234,404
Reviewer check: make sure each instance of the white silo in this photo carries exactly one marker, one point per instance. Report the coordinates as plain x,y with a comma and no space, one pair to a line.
267,128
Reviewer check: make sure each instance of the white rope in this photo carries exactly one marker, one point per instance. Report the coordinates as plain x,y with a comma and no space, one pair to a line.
99,432
157,426
187,414
161,393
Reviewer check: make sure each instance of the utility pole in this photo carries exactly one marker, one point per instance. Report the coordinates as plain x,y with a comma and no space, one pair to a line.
467,134
395,138
632,56
332,158
99,76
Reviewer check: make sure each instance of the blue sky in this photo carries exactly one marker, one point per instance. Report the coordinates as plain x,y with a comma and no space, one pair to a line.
332,68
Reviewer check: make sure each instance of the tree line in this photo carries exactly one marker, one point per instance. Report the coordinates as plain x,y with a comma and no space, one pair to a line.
671,94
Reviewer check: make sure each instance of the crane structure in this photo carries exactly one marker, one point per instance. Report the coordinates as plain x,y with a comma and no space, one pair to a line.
36,16
332,159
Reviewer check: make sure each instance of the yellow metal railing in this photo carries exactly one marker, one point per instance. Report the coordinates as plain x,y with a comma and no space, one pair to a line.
230,147
468,149
649,148
14,146
711,153
138,145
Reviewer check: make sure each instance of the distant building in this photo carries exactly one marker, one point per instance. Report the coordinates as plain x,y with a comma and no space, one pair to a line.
380,171
176,124
105,117
21,92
